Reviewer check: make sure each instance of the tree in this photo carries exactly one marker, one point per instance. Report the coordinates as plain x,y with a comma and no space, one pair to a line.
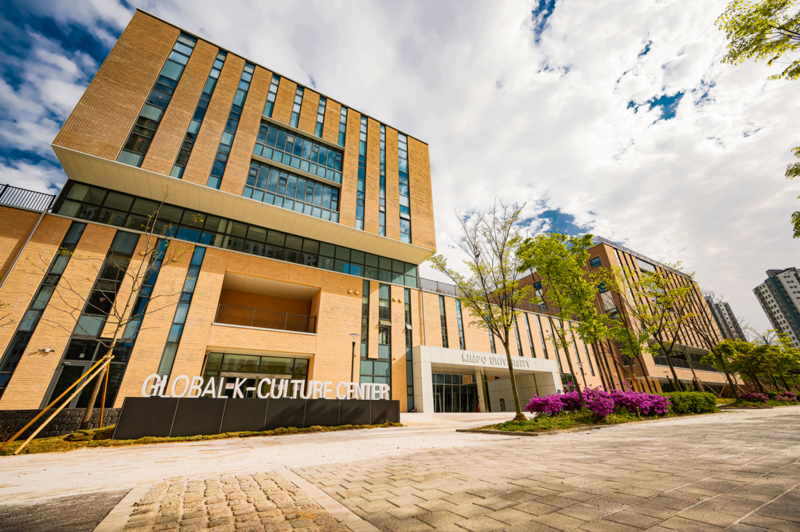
765,30
740,358
491,293
559,262
702,326
120,297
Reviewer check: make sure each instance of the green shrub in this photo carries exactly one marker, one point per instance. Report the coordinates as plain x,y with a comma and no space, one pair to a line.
692,402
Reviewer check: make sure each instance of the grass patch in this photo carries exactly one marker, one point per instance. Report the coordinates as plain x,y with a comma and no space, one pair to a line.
761,404
102,438
568,420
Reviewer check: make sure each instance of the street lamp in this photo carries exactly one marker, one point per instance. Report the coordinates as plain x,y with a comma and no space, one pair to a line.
353,356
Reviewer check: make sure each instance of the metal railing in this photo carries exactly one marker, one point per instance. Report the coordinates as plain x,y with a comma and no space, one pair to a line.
265,319
447,289
25,199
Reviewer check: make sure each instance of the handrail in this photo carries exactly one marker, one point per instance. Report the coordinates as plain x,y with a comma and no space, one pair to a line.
264,319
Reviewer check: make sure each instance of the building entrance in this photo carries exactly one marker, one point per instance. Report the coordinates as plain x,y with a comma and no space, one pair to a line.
454,393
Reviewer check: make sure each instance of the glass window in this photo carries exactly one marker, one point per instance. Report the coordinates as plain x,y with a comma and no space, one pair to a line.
297,151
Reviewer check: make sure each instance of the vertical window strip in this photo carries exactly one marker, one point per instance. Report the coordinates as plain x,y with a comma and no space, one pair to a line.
461,342
443,322
101,299
362,173
271,95
146,125
384,328
382,199
530,336
181,312
409,356
199,115
558,357
516,333
364,318
225,143
29,321
296,106
405,202
342,125
589,358
541,336
323,102
146,291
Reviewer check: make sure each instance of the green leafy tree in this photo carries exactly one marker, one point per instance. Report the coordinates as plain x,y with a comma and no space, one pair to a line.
559,263
490,291
765,30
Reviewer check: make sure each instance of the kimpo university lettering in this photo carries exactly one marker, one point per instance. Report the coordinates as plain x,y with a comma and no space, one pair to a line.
497,361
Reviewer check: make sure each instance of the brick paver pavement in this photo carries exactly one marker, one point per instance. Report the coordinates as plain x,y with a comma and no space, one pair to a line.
244,503
721,474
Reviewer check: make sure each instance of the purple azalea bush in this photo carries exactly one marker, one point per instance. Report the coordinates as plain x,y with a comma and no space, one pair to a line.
601,402
786,397
754,397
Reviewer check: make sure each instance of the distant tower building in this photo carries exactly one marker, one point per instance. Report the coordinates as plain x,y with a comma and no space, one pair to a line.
726,320
779,296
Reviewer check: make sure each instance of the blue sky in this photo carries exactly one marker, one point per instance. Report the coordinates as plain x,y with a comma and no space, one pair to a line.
611,117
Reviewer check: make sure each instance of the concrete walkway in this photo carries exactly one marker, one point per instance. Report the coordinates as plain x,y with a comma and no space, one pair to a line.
736,471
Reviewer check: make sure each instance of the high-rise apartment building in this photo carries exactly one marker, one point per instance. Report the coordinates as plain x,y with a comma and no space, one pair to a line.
779,296
726,320
300,221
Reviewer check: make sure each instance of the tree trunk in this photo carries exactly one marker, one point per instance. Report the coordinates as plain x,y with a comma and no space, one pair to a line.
571,369
758,384
785,384
678,384
731,380
517,405
777,388
96,388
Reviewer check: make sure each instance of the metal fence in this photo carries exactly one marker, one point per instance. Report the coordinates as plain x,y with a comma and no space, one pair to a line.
265,319
447,289
25,199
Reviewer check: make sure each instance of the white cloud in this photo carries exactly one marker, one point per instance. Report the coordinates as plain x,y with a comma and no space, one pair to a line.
545,123
38,177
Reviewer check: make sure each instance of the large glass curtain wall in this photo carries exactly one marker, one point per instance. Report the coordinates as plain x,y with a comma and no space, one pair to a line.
122,210
253,368
454,393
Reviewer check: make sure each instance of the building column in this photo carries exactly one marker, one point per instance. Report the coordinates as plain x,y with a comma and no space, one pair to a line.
423,380
484,405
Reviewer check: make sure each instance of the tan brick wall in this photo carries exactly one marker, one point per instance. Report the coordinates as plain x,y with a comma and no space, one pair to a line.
476,338
205,147
399,348
308,112
416,318
452,322
423,233
392,186
246,133
264,302
347,198
24,280
103,117
149,347
282,111
433,326
330,129
374,299
17,225
35,370
165,146
197,332
240,338
373,176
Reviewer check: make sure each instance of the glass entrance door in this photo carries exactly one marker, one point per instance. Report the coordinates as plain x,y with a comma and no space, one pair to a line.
451,394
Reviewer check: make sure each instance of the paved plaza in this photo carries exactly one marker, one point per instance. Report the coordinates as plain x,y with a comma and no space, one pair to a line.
736,471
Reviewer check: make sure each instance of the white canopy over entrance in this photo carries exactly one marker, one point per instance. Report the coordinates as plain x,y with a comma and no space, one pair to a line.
535,376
